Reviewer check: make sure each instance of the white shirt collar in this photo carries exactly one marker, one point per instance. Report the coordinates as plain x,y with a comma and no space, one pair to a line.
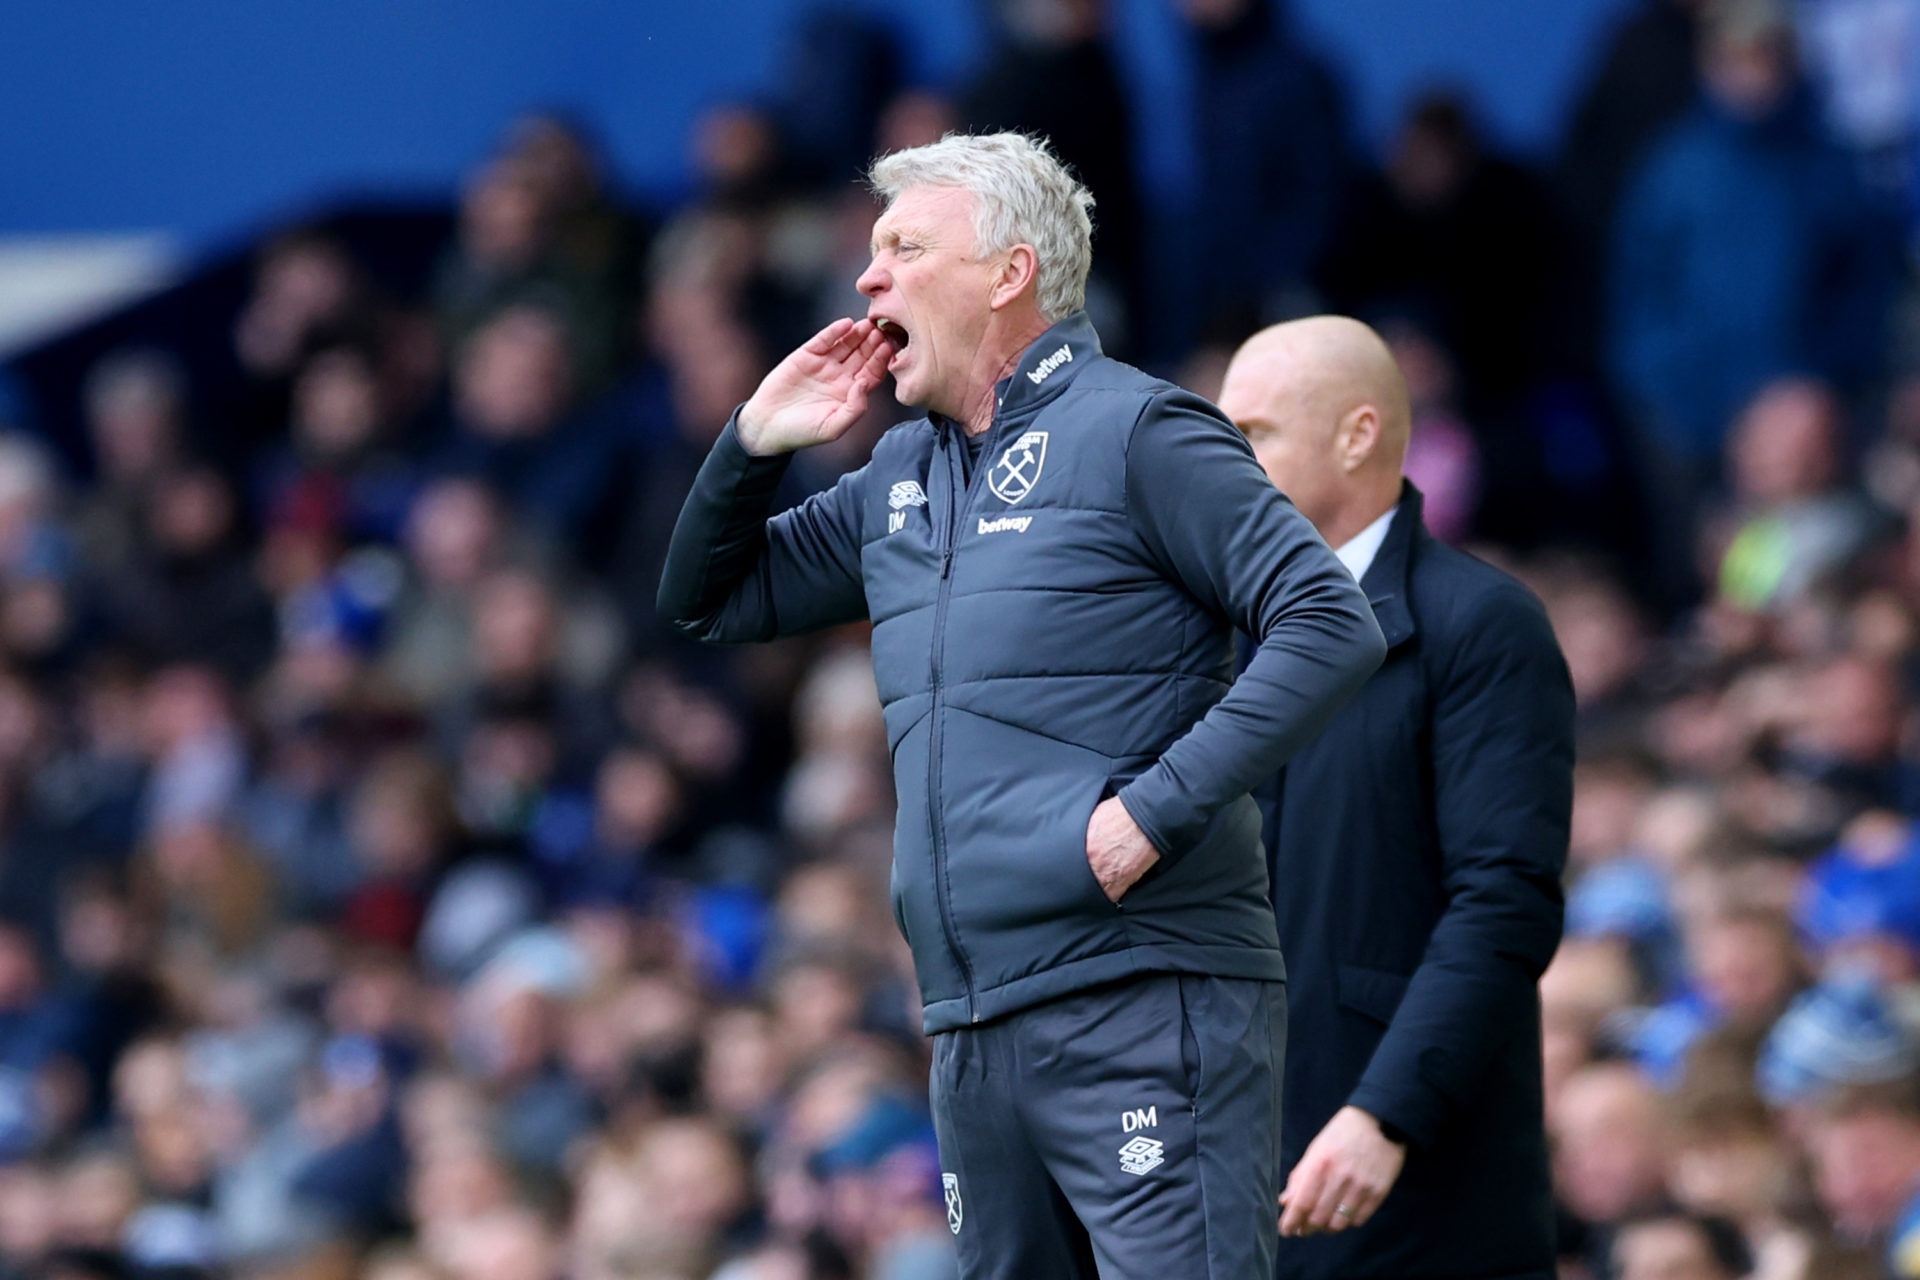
1357,552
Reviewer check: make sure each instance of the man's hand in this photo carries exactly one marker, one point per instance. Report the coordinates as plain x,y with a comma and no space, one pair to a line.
1349,1164
816,393
1117,850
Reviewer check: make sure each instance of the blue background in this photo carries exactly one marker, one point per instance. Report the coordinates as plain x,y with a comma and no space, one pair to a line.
213,118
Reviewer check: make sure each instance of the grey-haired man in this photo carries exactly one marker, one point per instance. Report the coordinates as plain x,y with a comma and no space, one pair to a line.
1054,560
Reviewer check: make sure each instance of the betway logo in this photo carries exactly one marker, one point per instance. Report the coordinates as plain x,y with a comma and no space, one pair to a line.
1005,524
1039,373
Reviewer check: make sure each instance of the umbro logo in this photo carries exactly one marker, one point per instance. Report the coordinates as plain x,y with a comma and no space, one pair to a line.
907,493
1142,1155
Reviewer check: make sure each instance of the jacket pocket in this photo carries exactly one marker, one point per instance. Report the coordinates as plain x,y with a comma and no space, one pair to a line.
1014,811
1372,993
1101,792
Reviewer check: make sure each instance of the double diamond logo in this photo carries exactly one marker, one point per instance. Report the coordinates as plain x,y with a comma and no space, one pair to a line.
907,493
1142,1155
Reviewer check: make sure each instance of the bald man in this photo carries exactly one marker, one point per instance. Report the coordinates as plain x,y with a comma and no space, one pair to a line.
1415,855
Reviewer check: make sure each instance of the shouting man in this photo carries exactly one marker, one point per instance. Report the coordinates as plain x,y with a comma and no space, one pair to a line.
1054,561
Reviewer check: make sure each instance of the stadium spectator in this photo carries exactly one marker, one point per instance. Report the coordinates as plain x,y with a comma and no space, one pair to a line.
1865,1144
1272,151
1743,251
342,475
136,412
1463,239
1794,523
1052,73
516,424
1610,1152
1646,78
1680,1247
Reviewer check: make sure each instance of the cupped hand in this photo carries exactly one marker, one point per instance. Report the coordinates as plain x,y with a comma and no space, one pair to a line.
818,391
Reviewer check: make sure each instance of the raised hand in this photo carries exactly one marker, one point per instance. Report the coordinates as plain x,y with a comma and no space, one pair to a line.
817,392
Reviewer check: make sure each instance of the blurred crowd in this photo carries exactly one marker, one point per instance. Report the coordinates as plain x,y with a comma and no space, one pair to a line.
384,891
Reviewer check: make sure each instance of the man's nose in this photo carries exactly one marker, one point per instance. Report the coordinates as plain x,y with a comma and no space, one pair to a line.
872,281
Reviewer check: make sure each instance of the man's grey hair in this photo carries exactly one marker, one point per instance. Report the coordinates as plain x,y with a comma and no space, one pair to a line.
1022,194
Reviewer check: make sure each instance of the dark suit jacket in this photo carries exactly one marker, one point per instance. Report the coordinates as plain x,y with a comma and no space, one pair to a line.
1416,852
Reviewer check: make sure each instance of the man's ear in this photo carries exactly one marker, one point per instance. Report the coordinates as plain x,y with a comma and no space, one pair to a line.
1358,436
1017,275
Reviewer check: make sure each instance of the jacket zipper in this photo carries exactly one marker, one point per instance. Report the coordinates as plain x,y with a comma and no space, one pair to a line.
961,506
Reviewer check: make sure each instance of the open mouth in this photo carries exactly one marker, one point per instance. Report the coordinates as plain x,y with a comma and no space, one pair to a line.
892,331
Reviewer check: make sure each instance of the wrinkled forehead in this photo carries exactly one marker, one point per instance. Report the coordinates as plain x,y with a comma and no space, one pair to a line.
927,213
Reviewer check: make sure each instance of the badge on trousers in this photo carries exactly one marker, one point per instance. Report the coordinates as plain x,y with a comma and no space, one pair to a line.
951,1181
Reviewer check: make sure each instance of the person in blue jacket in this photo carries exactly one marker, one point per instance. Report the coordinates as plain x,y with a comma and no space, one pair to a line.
1744,249
1054,561
1417,850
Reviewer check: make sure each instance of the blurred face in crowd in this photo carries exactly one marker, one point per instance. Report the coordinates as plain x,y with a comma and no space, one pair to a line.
28,1213
336,404
310,277
1052,22
184,704
1607,801
837,708
1747,966
192,513
914,119
515,635
400,1264
133,414
1867,1167
1213,14
733,148
399,816
815,1003
508,1244
714,362
455,1180
1748,70
1852,711
1734,1164
453,533
741,1069
97,1195
930,289
1743,1176
637,799
1783,445
1608,1158
560,160
695,1176
515,377
1601,633
1666,1249
1433,155
503,219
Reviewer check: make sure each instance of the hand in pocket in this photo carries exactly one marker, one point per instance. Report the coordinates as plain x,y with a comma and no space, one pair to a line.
1117,849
